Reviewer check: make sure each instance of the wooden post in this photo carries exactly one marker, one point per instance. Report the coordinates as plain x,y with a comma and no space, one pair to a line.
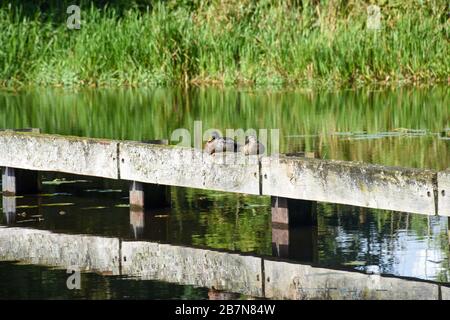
149,196
294,229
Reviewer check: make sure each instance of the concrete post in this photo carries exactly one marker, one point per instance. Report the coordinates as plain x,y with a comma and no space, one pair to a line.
294,229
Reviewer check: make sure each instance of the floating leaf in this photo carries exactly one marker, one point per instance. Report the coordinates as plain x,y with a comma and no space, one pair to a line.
103,190
124,205
58,204
58,182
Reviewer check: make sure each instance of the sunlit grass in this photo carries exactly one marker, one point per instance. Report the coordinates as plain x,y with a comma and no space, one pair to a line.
265,43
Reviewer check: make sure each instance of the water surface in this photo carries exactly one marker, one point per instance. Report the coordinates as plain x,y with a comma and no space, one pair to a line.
403,127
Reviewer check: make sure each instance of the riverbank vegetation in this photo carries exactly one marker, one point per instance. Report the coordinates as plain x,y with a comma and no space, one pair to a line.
227,42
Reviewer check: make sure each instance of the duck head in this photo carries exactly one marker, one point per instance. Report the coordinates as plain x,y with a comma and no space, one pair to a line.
251,140
215,135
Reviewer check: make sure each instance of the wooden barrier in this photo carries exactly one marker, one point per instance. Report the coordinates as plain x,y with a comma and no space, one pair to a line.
186,167
351,183
42,152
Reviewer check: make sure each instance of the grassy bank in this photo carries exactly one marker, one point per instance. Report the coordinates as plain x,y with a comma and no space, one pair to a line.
226,43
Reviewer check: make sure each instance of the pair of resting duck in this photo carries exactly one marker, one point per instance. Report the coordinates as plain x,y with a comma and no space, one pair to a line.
223,144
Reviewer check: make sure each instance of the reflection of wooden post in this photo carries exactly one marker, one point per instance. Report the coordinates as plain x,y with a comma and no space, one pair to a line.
9,209
362,215
280,227
221,295
294,229
137,223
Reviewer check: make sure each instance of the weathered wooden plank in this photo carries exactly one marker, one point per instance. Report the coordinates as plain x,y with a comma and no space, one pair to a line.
89,253
186,167
285,280
444,193
83,156
198,267
358,184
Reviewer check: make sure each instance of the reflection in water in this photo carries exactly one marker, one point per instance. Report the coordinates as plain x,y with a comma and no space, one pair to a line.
402,127
294,230
9,209
378,127
384,242
137,223
350,237
240,274
37,282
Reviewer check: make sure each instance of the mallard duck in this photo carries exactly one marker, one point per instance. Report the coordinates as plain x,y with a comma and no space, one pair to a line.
220,144
252,146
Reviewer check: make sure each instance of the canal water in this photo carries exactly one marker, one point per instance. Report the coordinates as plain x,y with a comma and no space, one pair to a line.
402,127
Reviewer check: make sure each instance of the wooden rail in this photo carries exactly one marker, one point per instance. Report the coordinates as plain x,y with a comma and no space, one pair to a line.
400,189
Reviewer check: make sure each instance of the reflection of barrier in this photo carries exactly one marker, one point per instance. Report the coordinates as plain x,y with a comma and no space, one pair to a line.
216,270
380,187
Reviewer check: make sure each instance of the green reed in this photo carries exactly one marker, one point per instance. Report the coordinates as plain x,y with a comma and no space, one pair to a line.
262,43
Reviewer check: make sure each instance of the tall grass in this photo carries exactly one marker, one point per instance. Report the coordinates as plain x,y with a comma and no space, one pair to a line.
229,42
